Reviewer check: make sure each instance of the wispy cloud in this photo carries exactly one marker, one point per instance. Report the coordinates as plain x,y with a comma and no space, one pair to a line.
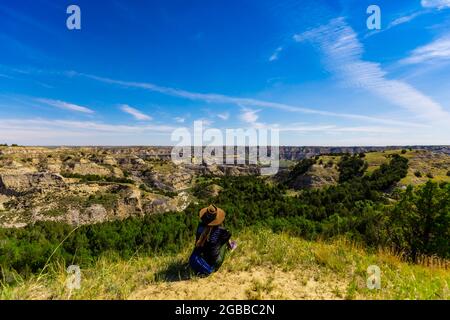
335,129
205,122
342,54
29,21
439,4
65,105
138,115
397,22
69,127
224,115
276,53
434,51
248,102
249,115
429,7
179,119
405,19
62,132
5,76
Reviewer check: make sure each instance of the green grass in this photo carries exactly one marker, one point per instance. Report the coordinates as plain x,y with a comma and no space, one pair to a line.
54,212
338,267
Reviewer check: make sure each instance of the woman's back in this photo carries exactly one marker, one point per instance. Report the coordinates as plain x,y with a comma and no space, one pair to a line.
215,241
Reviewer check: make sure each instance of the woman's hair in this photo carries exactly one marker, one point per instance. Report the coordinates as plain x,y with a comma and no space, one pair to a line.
203,237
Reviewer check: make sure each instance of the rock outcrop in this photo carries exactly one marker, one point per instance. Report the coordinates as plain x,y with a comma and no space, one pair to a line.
17,184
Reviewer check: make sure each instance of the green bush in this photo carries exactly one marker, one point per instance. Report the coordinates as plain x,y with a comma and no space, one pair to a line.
300,169
351,167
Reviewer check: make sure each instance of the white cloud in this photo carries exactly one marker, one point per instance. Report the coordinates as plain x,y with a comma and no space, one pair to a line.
224,116
64,105
249,102
5,76
337,129
405,19
205,122
179,119
429,5
276,53
439,4
63,132
26,124
342,54
249,115
138,115
436,50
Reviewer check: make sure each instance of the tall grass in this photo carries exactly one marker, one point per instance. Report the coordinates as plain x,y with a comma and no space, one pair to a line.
337,266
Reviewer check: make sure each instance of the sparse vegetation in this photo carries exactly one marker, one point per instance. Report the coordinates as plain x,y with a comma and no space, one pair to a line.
96,178
330,163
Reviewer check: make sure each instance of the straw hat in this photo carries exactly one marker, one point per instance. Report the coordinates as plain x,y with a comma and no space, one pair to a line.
212,216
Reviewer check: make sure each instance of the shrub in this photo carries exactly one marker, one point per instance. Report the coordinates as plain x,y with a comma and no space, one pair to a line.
300,168
351,167
418,174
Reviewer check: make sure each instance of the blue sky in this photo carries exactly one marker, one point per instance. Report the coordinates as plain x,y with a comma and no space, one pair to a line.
138,70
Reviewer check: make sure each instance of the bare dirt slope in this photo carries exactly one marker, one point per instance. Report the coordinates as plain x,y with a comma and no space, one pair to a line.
259,283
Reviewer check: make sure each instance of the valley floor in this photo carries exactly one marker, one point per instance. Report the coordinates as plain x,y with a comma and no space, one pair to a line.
265,266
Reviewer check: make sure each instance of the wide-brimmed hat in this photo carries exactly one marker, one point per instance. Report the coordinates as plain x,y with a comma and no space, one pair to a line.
212,215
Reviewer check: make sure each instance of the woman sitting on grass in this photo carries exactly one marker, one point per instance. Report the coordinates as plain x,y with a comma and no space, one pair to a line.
212,241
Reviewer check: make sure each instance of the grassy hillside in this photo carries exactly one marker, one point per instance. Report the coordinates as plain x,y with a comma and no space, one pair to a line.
266,265
423,165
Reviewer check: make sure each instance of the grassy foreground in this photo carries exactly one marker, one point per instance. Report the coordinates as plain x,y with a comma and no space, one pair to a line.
265,266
